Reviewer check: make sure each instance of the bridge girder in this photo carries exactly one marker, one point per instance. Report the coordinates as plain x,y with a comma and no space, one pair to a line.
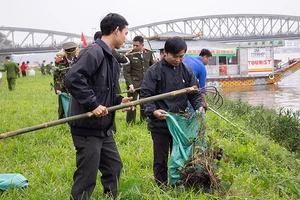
56,37
226,27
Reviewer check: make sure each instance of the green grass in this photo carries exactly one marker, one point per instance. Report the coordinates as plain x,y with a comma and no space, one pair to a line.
255,165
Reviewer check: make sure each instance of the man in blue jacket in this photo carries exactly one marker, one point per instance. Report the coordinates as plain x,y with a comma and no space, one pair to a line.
197,63
92,82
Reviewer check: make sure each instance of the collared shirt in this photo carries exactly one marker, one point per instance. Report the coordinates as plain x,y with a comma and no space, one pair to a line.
106,45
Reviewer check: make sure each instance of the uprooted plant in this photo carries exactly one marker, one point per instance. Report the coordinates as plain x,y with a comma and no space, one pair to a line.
198,171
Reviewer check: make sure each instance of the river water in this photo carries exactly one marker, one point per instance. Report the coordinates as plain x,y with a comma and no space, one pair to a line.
285,94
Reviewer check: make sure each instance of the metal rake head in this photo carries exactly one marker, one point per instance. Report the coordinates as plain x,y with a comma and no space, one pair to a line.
215,97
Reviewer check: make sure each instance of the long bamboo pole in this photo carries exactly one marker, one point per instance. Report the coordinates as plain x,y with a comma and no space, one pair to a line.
126,91
90,114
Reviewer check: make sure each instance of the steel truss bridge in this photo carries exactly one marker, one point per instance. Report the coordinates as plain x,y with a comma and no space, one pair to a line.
224,28
215,28
34,40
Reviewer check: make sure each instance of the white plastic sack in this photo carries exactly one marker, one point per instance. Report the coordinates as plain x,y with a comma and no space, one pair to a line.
31,72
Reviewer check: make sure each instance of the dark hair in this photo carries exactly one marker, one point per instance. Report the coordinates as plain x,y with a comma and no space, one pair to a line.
97,35
174,45
23,63
139,39
205,52
7,57
111,21
27,62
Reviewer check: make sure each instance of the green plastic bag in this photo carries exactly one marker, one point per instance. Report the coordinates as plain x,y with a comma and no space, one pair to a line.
184,132
65,102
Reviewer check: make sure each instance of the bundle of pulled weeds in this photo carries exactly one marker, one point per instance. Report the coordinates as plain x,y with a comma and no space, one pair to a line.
198,171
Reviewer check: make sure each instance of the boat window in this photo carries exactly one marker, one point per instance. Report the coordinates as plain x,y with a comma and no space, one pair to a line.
222,60
232,60
213,60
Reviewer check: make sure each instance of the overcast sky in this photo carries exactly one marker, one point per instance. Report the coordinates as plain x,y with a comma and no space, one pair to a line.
76,16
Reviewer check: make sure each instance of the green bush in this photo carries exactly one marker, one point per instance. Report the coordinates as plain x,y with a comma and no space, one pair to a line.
282,126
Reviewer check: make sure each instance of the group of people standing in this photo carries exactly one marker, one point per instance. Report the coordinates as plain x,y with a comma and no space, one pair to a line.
13,71
92,82
24,67
46,68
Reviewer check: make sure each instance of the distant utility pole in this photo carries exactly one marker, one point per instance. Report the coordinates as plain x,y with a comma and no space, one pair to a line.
93,31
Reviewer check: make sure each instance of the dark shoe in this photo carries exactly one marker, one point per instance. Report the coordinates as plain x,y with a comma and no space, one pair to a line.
219,155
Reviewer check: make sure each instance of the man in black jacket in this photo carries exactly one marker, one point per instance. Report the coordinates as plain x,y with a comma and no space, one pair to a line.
92,82
167,75
122,60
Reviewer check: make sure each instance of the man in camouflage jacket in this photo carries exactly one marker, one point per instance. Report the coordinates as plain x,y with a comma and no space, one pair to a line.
62,64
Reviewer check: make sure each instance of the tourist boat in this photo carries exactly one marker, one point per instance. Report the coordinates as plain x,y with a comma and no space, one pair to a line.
247,64
238,64
278,73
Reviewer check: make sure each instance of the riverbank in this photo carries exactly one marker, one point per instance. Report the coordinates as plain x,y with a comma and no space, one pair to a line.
259,162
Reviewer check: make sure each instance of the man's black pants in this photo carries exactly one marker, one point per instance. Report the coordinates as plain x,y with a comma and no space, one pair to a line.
93,154
162,145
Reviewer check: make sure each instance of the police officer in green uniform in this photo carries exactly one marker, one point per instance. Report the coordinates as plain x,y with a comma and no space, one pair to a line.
49,68
12,69
43,67
63,63
140,60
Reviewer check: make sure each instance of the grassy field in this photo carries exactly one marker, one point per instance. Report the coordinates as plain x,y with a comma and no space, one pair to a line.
261,162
